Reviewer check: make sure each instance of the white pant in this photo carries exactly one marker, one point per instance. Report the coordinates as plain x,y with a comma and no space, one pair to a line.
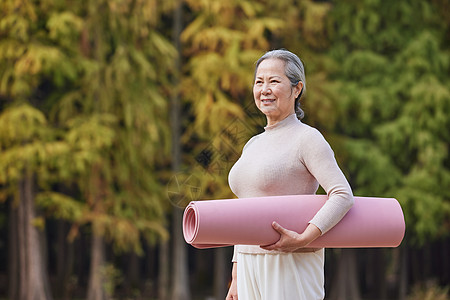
289,276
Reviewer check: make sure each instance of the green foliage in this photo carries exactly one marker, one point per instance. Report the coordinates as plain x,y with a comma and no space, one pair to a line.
93,125
380,26
25,143
61,206
21,124
28,55
122,89
430,292
113,277
391,81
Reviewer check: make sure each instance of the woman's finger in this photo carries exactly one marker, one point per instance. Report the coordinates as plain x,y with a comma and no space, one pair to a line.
280,229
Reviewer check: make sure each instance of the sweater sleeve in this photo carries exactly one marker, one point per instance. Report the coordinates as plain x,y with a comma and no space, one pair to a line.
318,157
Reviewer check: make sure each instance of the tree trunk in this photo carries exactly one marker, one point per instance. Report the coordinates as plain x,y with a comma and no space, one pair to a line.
30,267
64,261
403,280
13,254
96,290
376,273
22,244
220,278
180,288
163,271
132,273
69,285
345,282
444,257
180,279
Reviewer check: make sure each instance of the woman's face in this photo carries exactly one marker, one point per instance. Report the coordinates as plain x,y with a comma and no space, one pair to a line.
274,96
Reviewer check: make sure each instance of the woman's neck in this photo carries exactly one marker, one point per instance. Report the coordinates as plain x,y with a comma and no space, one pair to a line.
272,120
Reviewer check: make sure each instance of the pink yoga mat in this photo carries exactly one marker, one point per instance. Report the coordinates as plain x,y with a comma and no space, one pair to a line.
371,222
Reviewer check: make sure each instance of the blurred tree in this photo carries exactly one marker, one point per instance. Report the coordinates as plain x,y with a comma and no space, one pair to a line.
27,142
23,136
101,80
126,76
391,101
180,275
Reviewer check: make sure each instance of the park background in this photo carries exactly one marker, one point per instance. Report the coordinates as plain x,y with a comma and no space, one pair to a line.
114,114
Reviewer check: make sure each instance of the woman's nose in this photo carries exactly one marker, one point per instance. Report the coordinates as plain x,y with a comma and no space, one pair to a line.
265,89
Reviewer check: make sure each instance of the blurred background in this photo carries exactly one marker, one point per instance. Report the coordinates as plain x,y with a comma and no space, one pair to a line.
114,114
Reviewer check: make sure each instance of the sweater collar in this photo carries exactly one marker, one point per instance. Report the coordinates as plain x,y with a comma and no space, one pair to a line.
286,122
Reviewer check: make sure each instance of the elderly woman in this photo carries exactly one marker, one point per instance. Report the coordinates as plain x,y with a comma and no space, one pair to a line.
288,158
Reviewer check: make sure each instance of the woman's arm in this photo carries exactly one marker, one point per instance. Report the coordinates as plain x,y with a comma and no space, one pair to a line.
232,291
318,157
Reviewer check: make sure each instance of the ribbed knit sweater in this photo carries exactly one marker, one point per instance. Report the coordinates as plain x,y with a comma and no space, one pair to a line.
291,158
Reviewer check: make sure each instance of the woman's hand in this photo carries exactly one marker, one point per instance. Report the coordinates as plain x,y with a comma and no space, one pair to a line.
291,241
232,291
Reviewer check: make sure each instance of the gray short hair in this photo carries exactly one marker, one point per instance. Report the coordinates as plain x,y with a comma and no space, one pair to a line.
294,70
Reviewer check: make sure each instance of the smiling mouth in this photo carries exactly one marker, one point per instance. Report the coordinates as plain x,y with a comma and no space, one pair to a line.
268,100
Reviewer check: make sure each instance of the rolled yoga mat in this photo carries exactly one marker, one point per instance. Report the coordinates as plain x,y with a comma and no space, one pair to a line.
371,222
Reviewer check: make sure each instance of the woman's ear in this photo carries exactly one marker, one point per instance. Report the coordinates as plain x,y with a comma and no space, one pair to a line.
298,89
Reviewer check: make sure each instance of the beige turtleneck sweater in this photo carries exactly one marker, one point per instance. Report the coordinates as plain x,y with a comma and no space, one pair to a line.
291,158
